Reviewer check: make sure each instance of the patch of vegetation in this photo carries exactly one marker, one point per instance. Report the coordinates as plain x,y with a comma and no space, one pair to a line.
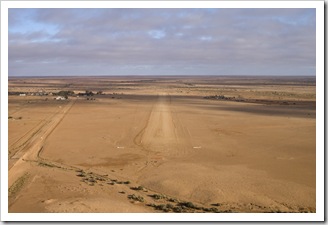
177,209
89,93
187,205
18,185
82,174
170,206
92,180
158,196
162,207
215,210
180,207
136,198
172,200
227,211
65,93
139,188
100,179
45,164
216,204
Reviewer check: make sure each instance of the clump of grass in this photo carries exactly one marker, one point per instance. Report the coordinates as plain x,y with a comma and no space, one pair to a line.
213,209
136,198
81,174
177,209
45,164
168,207
173,200
216,204
92,180
139,188
228,211
163,207
160,207
181,207
187,205
205,209
100,178
158,196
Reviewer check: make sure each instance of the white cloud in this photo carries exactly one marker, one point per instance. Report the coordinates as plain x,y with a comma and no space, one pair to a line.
157,34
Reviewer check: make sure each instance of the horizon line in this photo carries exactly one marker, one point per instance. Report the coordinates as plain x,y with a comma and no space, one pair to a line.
138,75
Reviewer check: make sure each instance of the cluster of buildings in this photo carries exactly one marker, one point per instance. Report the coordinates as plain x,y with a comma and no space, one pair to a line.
35,93
61,95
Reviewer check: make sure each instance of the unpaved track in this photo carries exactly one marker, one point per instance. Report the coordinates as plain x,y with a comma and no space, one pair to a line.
17,148
30,151
160,133
163,136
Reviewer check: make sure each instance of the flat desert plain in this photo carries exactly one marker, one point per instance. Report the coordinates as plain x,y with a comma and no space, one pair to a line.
162,144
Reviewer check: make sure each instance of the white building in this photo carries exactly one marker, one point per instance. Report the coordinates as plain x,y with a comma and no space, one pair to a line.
60,98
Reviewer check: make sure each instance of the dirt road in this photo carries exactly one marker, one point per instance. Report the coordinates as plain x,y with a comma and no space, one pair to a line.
33,143
160,133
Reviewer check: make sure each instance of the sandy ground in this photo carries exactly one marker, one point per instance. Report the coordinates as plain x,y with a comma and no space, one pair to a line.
157,145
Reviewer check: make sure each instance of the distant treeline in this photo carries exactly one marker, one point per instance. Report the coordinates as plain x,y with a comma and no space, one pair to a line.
15,93
64,93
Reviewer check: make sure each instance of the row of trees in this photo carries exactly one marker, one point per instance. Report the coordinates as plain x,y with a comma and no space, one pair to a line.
72,93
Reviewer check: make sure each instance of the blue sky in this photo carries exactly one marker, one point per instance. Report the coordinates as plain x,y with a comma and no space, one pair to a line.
48,42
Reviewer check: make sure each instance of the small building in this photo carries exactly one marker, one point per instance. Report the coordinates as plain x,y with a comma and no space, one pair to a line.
60,98
22,94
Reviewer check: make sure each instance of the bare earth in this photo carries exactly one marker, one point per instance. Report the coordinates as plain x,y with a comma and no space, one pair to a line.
163,144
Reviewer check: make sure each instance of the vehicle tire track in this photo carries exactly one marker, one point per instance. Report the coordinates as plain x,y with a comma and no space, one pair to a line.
37,139
160,137
24,140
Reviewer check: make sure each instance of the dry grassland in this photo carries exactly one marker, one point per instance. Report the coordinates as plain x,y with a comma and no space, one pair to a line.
163,144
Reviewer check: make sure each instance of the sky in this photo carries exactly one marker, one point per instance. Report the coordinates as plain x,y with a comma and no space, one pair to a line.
59,42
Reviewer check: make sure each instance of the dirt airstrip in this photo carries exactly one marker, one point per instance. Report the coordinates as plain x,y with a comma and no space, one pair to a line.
162,144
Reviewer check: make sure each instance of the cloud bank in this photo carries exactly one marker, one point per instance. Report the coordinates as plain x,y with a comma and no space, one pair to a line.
45,42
